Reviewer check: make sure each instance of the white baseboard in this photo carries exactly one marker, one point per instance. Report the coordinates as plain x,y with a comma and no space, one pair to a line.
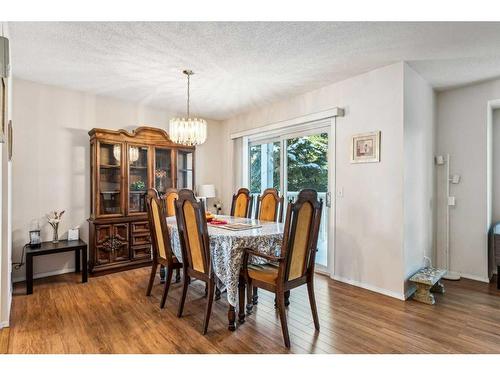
376,289
474,277
412,289
4,325
44,274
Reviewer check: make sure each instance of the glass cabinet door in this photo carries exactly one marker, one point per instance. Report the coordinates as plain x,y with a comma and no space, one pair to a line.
163,170
184,169
137,177
110,179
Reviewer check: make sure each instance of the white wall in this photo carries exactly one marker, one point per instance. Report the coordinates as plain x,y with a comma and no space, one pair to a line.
6,216
369,232
51,152
496,166
462,133
419,174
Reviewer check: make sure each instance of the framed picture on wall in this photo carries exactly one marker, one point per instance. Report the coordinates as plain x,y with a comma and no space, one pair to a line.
365,148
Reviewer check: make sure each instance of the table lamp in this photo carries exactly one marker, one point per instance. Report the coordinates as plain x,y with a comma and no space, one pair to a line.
205,192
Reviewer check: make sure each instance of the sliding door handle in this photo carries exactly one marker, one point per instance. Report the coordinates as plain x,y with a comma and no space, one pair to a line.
328,199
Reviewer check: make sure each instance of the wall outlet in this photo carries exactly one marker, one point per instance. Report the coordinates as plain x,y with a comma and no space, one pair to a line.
451,201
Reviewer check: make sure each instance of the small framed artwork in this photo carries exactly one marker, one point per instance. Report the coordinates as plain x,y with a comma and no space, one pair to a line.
365,148
73,234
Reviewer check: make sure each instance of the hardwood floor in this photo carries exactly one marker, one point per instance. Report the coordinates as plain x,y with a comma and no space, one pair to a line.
111,314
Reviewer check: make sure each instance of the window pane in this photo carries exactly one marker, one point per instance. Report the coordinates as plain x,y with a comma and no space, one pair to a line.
264,166
308,163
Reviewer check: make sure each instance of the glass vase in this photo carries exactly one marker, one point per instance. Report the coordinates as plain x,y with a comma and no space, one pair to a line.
55,236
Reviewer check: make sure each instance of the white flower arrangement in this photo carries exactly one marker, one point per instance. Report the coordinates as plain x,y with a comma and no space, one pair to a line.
54,218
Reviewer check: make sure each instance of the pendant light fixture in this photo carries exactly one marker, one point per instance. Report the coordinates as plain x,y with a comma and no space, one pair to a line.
188,131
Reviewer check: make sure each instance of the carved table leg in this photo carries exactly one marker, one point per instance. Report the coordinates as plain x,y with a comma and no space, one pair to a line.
438,287
178,275
249,297
162,274
255,298
241,300
287,300
423,294
231,317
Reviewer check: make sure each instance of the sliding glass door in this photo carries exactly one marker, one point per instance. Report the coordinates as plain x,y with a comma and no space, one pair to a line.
307,167
291,162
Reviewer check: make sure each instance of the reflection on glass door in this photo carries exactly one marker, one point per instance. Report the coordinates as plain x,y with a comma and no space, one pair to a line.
307,167
138,177
110,174
184,169
163,170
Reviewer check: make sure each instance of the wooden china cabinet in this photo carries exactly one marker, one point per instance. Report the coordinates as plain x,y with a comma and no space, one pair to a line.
123,166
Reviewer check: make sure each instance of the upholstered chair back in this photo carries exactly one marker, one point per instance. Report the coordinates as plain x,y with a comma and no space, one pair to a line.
242,203
193,231
170,196
269,206
157,225
301,234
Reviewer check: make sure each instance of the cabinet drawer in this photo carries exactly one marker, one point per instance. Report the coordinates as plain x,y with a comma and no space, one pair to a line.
141,239
140,227
141,252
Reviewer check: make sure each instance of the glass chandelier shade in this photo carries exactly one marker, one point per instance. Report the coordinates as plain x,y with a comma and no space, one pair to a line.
188,131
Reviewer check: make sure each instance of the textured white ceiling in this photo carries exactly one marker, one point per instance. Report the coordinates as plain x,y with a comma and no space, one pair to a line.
240,66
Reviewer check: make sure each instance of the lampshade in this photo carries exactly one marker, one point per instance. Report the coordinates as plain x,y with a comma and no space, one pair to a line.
206,191
188,131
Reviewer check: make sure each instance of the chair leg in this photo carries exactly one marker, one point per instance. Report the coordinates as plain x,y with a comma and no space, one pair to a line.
183,298
241,300
168,279
208,312
152,278
249,296
282,311
255,298
312,301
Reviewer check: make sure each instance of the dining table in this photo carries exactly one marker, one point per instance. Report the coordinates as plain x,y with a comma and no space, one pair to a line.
227,248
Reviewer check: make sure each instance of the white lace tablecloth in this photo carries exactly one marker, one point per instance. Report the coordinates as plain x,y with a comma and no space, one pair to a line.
227,248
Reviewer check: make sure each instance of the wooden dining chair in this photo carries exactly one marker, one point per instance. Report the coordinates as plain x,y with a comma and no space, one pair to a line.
195,245
160,239
269,206
295,265
170,196
242,203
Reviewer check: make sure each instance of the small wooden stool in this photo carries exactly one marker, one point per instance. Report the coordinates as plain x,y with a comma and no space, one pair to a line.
428,280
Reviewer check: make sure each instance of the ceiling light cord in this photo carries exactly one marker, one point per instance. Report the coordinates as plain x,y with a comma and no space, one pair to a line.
189,73
188,95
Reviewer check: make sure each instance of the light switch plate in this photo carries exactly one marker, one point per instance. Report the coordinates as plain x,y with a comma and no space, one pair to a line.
451,201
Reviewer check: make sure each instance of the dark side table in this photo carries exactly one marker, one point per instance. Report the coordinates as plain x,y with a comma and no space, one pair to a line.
62,246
